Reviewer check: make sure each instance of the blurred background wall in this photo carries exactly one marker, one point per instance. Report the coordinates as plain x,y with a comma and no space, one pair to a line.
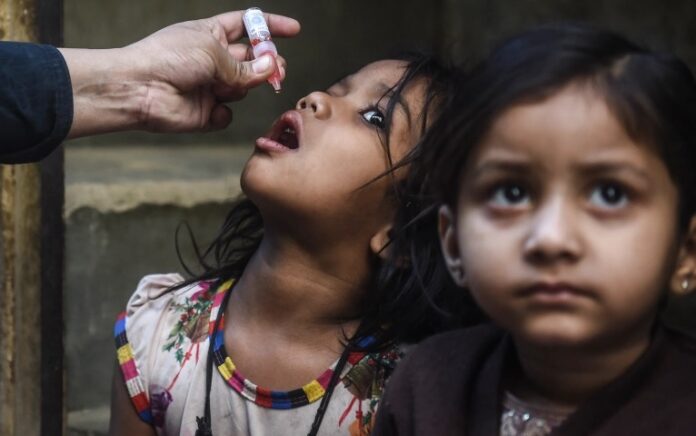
126,193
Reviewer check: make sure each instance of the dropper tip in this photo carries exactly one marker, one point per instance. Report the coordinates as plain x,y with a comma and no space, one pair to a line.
275,83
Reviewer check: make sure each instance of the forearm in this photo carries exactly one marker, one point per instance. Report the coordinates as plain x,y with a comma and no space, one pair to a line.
109,91
175,80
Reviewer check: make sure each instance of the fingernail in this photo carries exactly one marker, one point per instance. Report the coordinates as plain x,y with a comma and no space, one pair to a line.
261,64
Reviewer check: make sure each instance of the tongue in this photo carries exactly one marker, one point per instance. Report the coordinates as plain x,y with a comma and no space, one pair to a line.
289,140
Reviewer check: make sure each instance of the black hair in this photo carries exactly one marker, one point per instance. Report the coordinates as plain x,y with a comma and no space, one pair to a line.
653,95
399,307
390,313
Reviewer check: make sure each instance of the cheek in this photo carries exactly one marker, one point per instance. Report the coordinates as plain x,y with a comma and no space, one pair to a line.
483,244
488,255
355,155
638,258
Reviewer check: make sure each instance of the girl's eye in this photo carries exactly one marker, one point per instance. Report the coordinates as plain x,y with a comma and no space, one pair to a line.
509,195
374,117
609,196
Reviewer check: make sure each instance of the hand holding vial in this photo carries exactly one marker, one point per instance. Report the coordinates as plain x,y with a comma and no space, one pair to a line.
175,80
260,40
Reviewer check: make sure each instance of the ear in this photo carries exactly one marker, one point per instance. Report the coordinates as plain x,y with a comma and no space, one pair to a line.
446,227
379,241
683,280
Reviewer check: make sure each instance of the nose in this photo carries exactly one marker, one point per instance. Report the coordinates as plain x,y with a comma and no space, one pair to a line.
318,102
553,235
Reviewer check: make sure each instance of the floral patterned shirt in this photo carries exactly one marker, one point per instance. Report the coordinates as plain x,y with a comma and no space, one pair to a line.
162,340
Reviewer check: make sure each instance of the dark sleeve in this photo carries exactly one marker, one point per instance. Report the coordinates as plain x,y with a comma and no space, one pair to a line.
36,102
429,390
393,414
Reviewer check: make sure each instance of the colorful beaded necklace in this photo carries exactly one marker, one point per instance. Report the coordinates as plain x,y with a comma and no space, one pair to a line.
320,388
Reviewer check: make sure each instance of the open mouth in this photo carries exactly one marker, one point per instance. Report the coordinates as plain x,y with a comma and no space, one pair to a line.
285,131
288,137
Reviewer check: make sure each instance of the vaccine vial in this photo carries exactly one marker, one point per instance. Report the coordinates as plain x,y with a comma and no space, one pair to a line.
260,39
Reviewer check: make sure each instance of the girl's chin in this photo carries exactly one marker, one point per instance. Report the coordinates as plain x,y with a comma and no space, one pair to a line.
555,334
258,179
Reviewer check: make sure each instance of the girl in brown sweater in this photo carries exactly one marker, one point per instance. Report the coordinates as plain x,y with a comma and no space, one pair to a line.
565,171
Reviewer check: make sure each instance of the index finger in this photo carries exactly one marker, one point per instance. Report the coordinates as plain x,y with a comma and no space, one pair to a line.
279,25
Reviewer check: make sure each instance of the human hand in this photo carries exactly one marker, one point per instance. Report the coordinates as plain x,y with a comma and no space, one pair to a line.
197,66
175,80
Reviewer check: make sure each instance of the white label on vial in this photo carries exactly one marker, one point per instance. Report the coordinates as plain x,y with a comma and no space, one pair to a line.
256,26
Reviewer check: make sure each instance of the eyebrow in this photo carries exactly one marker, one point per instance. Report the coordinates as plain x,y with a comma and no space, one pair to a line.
386,91
519,166
507,165
594,168
342,83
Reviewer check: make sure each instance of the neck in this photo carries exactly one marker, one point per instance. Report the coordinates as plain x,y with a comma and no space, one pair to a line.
568,376
306,296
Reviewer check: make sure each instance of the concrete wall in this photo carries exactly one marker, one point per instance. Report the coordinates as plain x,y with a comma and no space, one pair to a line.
665,25
126,193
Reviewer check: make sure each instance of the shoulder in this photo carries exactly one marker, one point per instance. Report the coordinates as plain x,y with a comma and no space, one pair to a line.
156,293
155,331
438,360
428,390
152,288
157,307
678,359
657,395
674,386
445,361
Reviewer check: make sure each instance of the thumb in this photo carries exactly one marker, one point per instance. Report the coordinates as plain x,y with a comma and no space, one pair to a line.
244,75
